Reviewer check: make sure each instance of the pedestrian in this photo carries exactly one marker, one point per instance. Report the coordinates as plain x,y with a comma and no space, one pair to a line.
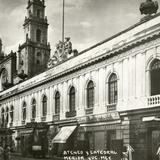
158,152
1,152
7,153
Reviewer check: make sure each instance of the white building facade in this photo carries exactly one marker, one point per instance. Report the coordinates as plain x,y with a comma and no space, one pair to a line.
109,94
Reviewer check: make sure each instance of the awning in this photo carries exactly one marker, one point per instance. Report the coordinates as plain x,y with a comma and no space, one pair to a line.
63,134
151,118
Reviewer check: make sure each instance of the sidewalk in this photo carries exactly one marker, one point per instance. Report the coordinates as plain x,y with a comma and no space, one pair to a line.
19,157
24,158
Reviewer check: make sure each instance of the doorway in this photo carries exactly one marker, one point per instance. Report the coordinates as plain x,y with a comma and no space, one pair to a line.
153,143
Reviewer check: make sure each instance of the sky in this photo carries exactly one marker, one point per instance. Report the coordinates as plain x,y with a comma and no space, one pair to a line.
87,22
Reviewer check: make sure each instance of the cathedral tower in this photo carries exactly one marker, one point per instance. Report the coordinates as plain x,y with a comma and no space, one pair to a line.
34,54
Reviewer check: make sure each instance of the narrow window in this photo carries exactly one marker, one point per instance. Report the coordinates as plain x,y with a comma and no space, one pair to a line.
38,13
38,62
3,117
21,63
38,54
72,99
57,102
90,95
26,36
38,35
24,111
44,106
113,89
7,115
33,108
12,113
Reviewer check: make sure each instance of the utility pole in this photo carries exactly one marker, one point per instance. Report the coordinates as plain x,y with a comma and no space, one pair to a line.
63,22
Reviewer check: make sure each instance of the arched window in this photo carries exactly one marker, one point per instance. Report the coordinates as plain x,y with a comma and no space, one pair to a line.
38,54
27,37
7,115
38,35
90,94
155,77
72,99
44,106
12,113
57,102
33,108
24,111
112,84
3,116
38,62
38,13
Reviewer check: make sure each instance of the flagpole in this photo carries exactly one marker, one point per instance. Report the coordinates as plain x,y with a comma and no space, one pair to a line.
63,22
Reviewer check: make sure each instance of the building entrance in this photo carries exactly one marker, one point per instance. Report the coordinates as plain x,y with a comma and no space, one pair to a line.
154,142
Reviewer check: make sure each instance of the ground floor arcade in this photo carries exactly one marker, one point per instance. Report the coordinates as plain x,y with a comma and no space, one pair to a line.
113,131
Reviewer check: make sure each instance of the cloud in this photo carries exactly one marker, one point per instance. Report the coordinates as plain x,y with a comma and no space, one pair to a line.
132,15
85,24
81,46
86,21
11,25
13,47
7,5
70,5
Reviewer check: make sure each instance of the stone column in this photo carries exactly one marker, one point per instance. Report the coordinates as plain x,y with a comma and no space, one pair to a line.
39,105
148,83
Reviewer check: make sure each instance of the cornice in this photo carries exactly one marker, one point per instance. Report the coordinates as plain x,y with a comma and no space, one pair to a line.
154,110
43,22
34,44
105,56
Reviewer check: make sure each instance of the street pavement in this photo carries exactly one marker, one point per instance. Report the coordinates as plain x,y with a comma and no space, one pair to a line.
28,158
22,158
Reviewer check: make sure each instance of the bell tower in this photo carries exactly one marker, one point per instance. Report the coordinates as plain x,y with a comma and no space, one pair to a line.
34,53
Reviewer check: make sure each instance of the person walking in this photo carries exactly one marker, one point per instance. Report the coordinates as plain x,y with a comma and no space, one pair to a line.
7,153
1,152
158,152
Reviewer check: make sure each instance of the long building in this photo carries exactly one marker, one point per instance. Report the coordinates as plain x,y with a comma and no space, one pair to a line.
106,97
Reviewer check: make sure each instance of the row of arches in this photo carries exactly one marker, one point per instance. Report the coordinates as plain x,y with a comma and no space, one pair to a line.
6,114
90,97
